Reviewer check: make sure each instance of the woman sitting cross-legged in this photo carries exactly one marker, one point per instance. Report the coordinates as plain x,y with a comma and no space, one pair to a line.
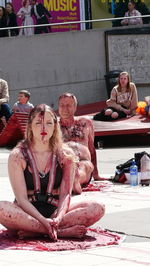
123,100
42,170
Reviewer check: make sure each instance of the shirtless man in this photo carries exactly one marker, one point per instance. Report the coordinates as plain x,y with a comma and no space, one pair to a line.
79,133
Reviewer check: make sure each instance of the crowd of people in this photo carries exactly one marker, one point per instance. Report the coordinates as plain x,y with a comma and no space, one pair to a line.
30,13
33,12
56,159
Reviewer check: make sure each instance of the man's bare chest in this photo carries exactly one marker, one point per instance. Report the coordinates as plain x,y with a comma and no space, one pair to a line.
77,132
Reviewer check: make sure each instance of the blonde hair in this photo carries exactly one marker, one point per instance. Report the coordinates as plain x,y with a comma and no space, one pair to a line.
55,142
128,84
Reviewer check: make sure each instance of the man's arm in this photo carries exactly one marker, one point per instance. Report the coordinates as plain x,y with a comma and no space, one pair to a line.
45,10
4,92
93,151
32,11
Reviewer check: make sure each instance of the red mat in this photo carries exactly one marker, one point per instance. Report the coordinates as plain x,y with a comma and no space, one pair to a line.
132,125
93,238
97,186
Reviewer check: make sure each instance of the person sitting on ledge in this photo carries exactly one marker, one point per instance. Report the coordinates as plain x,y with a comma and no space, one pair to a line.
5,110
41,171
78,132
23,105
123,100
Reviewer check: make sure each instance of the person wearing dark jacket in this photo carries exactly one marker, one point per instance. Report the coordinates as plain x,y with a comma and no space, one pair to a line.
41,15
11,19
3,22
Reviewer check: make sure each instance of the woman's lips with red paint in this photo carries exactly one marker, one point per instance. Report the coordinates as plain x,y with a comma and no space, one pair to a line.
43,133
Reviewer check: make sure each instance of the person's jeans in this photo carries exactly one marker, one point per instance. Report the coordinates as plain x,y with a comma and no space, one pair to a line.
5,111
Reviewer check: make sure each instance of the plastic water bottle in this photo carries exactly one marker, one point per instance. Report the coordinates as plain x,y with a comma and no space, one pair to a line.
133,174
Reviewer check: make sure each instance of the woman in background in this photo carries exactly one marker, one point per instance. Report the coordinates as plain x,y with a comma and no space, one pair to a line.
123,100
132,12
25,14
3,22
11,19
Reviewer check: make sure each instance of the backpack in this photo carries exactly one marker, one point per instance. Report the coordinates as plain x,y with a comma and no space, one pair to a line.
122,169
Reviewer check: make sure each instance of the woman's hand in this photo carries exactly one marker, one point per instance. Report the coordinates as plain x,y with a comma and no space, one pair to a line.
124,22
51,227
126,111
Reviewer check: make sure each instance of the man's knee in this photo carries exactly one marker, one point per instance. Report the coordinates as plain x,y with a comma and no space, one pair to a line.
114,115
108,112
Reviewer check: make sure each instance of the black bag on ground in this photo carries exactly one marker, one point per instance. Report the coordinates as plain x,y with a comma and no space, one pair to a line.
123,168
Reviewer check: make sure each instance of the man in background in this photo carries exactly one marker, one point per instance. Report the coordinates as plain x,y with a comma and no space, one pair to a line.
79,130
41,15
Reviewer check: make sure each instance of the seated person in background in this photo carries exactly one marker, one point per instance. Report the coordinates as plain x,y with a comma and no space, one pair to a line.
5,110
23,105
132,12
79,131
41,171
123,100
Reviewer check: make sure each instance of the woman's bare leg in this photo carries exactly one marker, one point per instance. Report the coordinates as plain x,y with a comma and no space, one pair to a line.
74,224
79,217
14,218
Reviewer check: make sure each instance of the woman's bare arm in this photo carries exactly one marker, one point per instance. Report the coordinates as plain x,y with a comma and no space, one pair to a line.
16,166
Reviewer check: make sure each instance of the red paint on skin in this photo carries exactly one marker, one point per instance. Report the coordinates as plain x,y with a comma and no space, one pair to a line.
43,132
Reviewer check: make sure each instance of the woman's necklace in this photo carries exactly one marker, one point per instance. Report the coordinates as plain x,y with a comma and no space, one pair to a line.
43,173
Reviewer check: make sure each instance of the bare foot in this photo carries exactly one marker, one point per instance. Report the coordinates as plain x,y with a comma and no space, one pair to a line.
76,231
96,177
99,179
26,234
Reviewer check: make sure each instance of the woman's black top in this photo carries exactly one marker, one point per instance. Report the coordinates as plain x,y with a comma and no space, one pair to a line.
12,22
3,24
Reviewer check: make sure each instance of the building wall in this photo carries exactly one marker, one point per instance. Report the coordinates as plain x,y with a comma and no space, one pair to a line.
51,64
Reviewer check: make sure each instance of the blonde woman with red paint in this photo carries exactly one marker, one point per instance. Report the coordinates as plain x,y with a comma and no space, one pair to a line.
41,172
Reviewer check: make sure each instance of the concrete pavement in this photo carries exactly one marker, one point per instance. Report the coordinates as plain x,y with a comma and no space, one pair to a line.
127,211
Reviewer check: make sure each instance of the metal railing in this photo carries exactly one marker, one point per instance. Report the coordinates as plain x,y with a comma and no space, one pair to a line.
75,22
